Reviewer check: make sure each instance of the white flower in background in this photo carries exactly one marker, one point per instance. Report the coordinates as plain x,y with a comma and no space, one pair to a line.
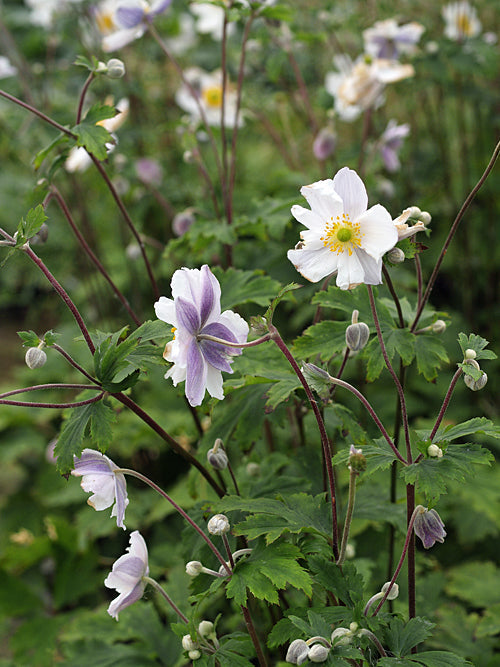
210,20
359,85
207,89
461,21
127,575
43,12
99,477
343,237
387,39
120,22
78,159
6,68
390,143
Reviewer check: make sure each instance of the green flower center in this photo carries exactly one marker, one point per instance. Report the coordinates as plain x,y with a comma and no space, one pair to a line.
344,234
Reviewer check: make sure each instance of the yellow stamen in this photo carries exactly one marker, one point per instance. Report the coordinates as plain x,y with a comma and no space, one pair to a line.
464,25
341,234
212,96
105,22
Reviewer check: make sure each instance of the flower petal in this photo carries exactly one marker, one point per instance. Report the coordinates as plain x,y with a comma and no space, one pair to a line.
125,600
314,264
165,310
307,217
214,383
129,16
208,294
187,315
350,270
196,374
322,198
352,191
379,231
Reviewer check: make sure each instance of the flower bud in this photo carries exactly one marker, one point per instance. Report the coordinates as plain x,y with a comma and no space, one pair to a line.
217,458
350,551
101,68
298,652
188,644
194,655
356,336
206,628
41,236
194,568
182,222
324,144
218,525
414,212
428,526
116,68
253,469
318,653
357,462
438,327
396,256
476,385
35,357
470,354
341,636
394,590
425,217
434,451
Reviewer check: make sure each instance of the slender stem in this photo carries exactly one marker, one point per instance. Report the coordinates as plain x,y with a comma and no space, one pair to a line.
410,512
375,640
389,283
76,365
38,113
324,437
167,597
452,233
39,387
129,222
373,414
236,488
409,535
86,85
63,294
146,480
228,550
67,214
302,88
126,400
228,343
253,636
404,414
418,271
349,513
57,406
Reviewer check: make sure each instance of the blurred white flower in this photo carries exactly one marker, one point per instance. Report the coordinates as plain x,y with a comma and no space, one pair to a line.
6,68
205,92
43,11
210,20
390,142
461,21
358,86
387,39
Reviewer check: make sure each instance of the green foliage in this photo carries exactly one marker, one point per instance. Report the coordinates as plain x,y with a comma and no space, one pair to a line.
401,637
476,343
92,136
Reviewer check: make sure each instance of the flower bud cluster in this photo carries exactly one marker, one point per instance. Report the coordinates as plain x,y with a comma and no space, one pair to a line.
315,649
206,632
480,382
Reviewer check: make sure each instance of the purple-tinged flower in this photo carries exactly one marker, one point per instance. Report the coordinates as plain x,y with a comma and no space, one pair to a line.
122,21
390,143
149,171
342,236
127,575
387,39
132,13
325,143
195,310
428,526
99,477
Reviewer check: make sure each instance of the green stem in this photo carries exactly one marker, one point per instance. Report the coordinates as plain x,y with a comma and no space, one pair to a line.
167,597
348,517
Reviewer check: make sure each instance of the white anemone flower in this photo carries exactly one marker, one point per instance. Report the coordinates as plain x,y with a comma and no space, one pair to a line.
342,236
461,21
210,20
127,575
204,96
387,39
359,85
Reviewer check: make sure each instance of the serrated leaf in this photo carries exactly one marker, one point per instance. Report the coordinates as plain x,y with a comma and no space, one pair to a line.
397,341
356,299
475,582
432,476
82,61
70,439
401,637
473,372
268,315
98,112
29,338
344,582
90,135
430,354
440,659
480,425
42,154
28,227
100,425
271,518
476,343
239,287
50,337
324,339
379,456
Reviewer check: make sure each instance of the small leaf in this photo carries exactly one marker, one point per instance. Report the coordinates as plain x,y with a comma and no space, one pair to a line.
70,439
431,355
476,343
28,227
401,638
268,315
324,339
42,154
29,338
238,287
100,425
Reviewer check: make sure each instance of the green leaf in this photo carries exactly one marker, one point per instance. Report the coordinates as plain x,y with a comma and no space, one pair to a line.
401,638
297,513
477,425
98,112
477,583
440,659
344,582
267,570
239,287
28,227
50,337
476,343
150,330
82,61
29,338
397,341
100,425
489,625
379,456
356,299
324,339
432,476
69,443
110,358
430,354
91,136
268,315
42,154
468,369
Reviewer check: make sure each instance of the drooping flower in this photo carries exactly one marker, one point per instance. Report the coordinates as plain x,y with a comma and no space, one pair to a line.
461,21
201,95
358,86
127,575
428,526
387,39
195,310
405,230
99,477
390,142
343,237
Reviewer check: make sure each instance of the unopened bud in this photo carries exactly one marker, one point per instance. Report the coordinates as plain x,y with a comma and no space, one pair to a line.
324,144
35,357
470,354
318,653
357,462
101,68
206,628
434,451
356,335
341,636
298,652
194,655
217,457
188,644
41,236
218,525
116,68
438,327
194,568
182,222
350,551
253,469
415,212
476,385
396,256
394,590
425,217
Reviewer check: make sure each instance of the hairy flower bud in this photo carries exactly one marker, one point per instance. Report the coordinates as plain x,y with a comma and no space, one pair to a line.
470,354
428,526
357,462
298,652
35,357
476,385
341,636
425,217
415,212
182,222
434,451
356,334
396,256
438,327
195,654
218,525
205,628
116,68
324,144
217,457
194,568
394,590
318,653
188,644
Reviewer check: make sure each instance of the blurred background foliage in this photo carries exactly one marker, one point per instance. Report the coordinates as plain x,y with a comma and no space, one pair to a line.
54,550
